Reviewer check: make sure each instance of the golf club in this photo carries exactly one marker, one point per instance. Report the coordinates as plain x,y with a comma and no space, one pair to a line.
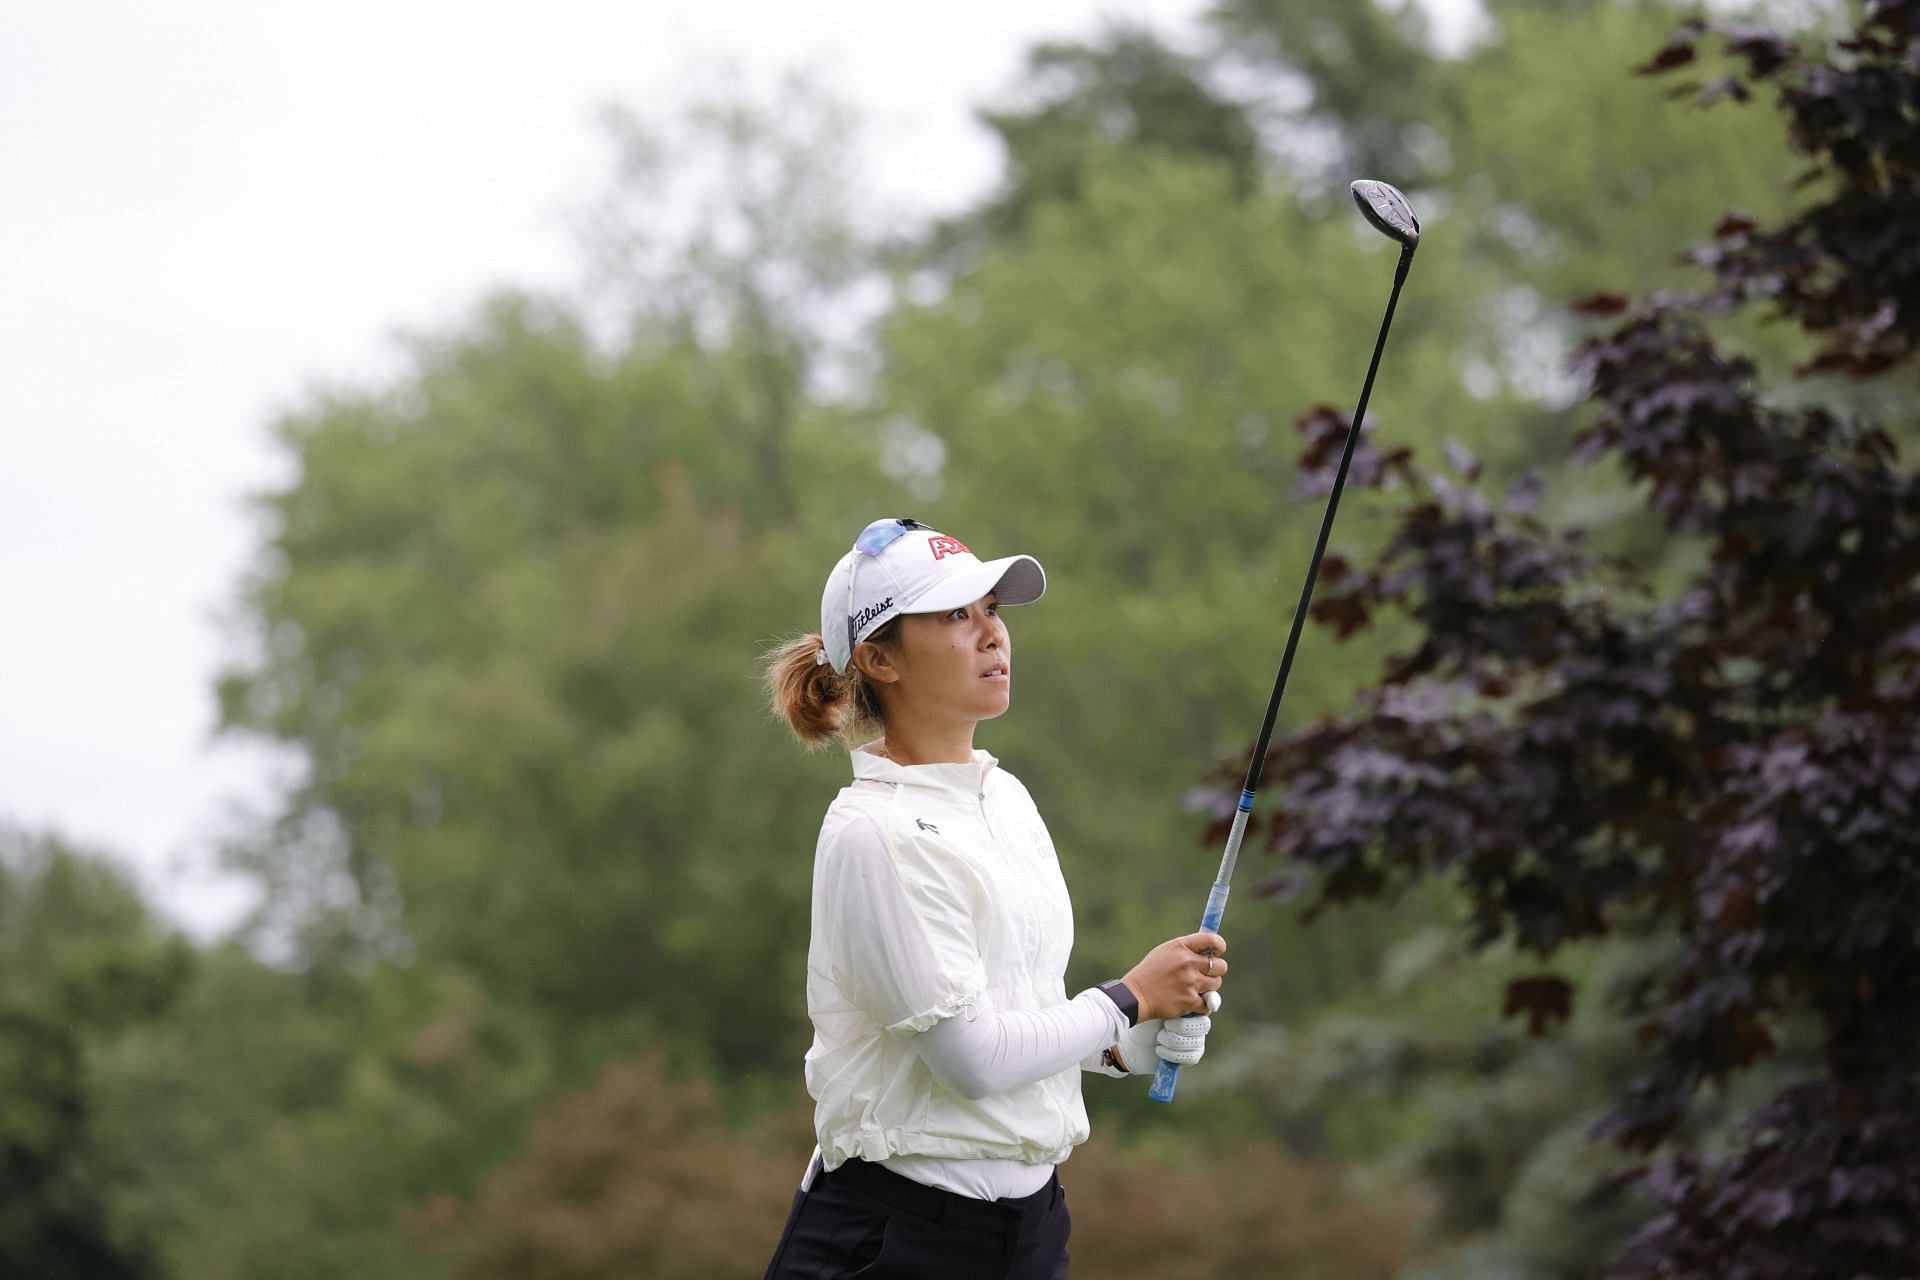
1390,213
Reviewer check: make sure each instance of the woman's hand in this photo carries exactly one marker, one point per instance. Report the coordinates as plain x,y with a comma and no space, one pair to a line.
1173,979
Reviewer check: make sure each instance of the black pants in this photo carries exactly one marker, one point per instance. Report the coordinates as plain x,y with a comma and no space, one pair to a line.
862,1220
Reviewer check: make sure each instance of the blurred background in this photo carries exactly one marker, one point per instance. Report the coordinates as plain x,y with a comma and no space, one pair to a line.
417,420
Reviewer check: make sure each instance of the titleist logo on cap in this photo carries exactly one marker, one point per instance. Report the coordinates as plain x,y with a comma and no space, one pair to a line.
871,612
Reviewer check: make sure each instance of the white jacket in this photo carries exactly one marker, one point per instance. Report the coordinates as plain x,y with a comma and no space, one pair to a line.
931,885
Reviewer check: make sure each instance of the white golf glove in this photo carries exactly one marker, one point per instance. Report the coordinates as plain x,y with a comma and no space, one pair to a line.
1182,1040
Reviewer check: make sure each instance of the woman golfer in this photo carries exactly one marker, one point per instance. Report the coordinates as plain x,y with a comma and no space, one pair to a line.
946,1056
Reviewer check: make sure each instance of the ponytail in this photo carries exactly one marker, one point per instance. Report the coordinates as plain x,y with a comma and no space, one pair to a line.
817,702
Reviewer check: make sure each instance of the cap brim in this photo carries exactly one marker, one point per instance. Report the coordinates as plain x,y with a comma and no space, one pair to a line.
1011,579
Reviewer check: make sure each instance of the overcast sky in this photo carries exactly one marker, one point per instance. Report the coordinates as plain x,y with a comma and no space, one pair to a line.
210,205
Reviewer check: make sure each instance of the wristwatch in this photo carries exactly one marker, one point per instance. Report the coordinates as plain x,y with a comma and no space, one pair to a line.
1122,996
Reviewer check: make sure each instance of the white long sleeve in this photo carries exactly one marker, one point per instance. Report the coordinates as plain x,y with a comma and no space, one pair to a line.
982,1051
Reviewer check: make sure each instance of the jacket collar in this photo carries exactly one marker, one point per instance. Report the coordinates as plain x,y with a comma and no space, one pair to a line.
959,779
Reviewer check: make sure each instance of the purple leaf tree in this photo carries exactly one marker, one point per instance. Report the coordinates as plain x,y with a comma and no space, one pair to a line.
1735,763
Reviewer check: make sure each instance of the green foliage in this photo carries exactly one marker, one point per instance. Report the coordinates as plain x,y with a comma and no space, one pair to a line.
80,963
636,1176
1128,93
1104,393
511,617
299,1117
1580,173
55,1220
1359,84
534,548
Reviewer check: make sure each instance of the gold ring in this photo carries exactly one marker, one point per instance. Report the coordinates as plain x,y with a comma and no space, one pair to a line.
1209,966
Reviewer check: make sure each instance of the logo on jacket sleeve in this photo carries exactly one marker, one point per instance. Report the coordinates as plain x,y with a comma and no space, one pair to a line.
924,825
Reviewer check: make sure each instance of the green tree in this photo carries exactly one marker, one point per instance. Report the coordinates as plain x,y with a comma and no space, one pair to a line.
1128,91
81,960
1352,89
636,1176
1103,394
509,613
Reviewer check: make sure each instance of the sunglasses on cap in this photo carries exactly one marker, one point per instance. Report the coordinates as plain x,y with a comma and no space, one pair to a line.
874,539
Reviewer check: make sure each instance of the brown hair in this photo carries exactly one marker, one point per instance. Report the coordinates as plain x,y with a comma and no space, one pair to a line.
818,703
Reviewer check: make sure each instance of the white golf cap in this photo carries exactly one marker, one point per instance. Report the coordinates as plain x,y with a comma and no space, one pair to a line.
901,566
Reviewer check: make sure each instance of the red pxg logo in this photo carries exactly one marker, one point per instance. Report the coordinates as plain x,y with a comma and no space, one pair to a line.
944,546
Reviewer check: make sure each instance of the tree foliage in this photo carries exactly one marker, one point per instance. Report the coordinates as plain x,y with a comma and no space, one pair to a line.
1126,92
638,1176
1362,81
80,962
1734,763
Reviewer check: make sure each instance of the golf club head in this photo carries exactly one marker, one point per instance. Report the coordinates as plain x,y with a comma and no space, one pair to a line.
1387,210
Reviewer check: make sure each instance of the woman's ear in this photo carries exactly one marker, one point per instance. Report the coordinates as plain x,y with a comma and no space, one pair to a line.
876,662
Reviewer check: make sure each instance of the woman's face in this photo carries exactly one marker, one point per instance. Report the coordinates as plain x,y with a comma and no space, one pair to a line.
951,666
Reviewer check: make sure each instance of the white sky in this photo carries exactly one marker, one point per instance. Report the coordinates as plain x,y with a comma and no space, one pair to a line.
208,205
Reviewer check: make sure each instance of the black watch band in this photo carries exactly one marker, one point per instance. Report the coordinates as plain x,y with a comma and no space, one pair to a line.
1122,995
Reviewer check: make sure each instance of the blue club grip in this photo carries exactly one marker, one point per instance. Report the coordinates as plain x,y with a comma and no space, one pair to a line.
1167,1074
